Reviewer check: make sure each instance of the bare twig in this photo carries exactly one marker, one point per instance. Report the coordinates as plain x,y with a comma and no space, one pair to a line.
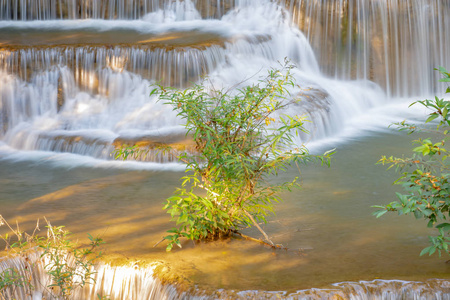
162,240
259,228
36,228
252,239
275,247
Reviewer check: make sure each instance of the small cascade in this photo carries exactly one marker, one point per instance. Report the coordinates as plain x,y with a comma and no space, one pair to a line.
47,93
93,67
26,10
377,289
129,283
133,282
394,43
115,283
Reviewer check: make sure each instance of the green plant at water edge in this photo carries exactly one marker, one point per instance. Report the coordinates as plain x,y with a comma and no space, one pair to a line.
242,138
67,265
425,177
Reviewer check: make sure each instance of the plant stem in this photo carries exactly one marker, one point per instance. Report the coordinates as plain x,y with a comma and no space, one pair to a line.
259,228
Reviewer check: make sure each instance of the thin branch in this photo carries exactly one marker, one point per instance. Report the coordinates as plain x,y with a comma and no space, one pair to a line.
162,240
259,227
275,247
242,81
253,239
36,228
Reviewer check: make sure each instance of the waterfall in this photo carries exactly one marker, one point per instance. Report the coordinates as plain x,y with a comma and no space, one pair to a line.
26,10
394,43
75,75
133,282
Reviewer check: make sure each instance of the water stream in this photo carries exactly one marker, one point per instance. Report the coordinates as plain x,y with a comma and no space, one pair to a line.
75,79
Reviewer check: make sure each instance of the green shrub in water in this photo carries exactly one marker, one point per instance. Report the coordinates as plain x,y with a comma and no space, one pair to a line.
242,139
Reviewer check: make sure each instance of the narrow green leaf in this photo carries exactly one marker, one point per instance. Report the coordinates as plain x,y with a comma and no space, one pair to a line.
432,117
379,213
426,250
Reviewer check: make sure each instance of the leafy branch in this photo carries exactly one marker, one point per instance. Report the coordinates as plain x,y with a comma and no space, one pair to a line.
68,266
425,177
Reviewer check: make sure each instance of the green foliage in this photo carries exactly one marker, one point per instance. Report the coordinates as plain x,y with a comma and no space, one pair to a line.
11,279
68,266
139,152
426,175
128,151
242,138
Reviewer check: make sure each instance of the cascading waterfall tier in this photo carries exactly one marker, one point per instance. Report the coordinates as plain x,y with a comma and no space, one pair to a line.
82,99
112,282
60,95
53,86
26,10
91,67
394,43
133,282
50,84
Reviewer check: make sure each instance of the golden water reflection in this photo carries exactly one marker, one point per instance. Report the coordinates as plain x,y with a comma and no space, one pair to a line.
330,220
54,37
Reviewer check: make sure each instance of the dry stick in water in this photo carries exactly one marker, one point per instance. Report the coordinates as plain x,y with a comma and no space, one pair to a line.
162,240
259,228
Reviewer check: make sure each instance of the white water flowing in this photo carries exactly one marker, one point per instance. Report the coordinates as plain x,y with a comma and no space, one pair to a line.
124,282
103,9
393,43
133,282
81,99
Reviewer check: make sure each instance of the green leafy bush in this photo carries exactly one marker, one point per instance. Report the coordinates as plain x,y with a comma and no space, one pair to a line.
426,175
242,139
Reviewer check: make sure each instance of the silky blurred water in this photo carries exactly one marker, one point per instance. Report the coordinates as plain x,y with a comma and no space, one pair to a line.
75,81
